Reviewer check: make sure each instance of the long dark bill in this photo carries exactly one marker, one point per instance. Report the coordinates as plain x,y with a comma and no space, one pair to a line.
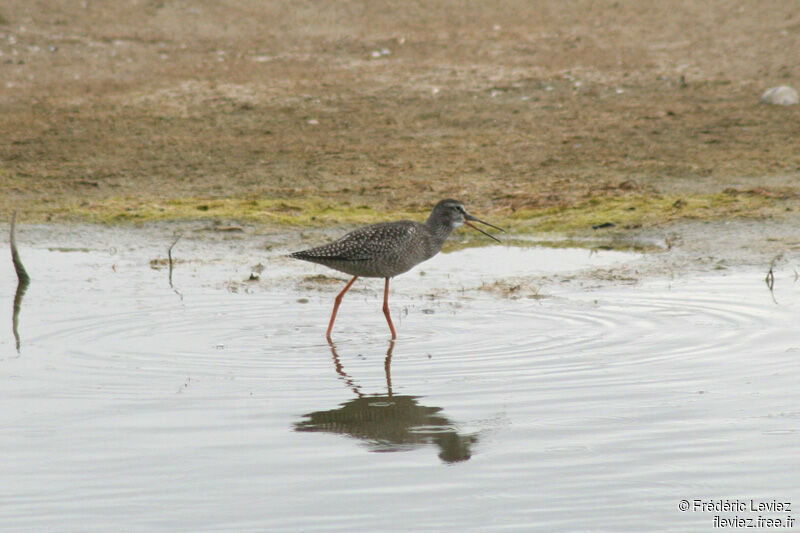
469,217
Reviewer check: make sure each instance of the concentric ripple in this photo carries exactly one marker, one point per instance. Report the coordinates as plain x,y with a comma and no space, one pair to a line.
224,399
219,330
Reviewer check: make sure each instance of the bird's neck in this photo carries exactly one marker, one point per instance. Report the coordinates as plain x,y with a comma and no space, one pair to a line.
439,231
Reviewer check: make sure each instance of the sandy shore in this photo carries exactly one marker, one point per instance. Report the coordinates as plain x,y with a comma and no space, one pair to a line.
546,120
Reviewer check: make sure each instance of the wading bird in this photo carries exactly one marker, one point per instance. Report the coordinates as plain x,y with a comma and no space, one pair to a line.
390,248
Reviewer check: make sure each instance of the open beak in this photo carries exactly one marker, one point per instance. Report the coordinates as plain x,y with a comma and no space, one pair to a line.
468,217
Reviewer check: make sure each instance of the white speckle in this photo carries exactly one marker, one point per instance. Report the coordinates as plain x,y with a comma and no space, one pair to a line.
548,87
376,53
385,51
312,121
435,90
619,91
496,27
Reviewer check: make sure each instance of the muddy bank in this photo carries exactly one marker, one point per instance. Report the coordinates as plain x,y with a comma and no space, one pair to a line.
521,110
252,256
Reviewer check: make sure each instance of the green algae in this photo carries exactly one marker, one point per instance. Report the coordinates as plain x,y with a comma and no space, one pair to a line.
598,216
303,212
613,214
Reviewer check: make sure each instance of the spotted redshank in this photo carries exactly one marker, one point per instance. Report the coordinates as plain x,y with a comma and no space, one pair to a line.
390,248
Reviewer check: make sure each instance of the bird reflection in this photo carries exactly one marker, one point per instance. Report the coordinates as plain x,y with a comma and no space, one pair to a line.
389,423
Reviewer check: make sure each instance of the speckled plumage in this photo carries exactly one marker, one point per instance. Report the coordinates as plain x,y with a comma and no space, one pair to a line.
388,249
377,251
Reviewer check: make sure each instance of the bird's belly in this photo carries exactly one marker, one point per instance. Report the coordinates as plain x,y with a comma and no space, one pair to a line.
374,268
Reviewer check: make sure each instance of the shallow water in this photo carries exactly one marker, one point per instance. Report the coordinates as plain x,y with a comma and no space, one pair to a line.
218,405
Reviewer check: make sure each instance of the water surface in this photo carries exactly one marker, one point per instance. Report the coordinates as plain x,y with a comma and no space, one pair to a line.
219,405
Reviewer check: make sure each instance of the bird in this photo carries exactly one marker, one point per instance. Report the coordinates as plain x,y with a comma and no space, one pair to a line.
388,249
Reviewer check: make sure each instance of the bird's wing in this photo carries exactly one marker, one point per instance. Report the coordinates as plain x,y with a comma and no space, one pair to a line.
367,243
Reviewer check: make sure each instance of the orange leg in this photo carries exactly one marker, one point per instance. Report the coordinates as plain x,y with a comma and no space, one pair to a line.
336,304
386,309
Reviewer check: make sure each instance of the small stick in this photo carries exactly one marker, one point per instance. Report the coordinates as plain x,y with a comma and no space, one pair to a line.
22,284
169,256
770,279
22,275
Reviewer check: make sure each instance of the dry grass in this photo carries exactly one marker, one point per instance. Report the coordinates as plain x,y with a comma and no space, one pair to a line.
517,108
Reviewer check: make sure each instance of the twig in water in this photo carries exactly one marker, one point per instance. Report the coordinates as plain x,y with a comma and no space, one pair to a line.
22,275
169,257
22,284
770,279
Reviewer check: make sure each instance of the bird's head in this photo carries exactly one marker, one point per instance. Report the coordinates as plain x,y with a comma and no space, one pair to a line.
451,213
